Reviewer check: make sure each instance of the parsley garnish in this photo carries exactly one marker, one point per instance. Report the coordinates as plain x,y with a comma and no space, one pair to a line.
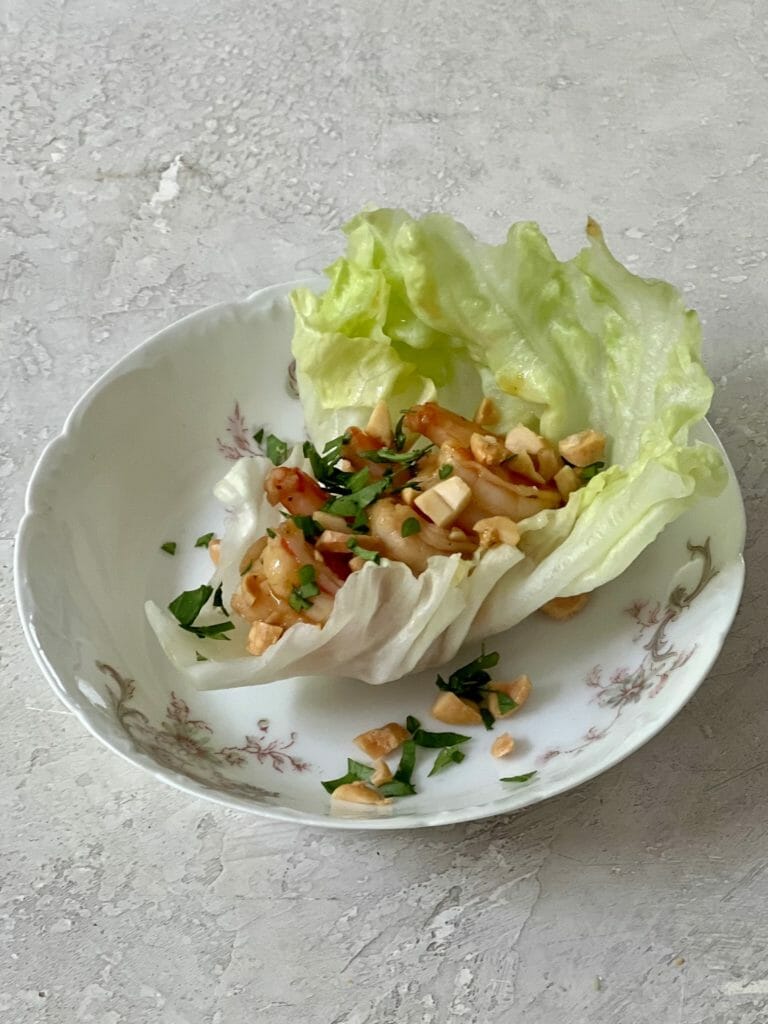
518,778
308,527
470,679
365,553
506,703
399,434
410,526
385,455
487,717
446,757
356,772
397,788
169,547
187,606
200,657
277,450
204,541
300,597
271,534
422,738
412,724
324,466
218,601
258,437
590,471
352,504
445,471
401,784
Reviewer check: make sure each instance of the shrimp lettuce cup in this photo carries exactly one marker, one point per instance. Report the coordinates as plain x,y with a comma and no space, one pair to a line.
492,430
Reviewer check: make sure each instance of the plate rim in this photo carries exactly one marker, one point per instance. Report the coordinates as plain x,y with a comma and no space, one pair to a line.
24,605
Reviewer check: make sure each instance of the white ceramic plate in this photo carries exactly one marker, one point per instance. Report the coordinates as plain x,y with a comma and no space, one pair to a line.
135,466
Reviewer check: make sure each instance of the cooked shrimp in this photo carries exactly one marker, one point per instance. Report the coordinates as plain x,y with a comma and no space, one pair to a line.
280,562
386,521
491,495
295,490
359,442
439,425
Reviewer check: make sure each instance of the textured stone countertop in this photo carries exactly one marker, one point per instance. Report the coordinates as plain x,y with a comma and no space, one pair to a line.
159,156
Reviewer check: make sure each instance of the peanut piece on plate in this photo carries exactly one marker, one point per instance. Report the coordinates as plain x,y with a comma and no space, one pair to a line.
382,773
523,439
497,530
331,522
502,745
358,793
445,502
261,636
567,481
214,550
517,690
522,464
378,743
487,450
455,710
380,425
409,495
549,463
333,540
583,448
562,608
487,414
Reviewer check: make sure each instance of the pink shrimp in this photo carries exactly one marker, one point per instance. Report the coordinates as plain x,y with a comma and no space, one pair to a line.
295,490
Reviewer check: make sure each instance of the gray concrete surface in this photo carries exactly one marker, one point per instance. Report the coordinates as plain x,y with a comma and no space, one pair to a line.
159,156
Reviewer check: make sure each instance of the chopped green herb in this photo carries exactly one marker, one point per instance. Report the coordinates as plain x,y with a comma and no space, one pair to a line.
590,471
422,738
412,724
300,597
271,534
506,703
356,772
469,680
169,547
410,526
518,778
218,601
487,717
399,434
446,757
277,450
258,437
200,657
352,504
385,455
324,466
365,553
188,605
407,763
445,471
204,541
308,527
397,788
211,632
357,481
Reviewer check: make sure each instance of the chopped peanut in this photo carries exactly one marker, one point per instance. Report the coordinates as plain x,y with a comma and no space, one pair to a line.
568,481
379,742
444,502
584,448
409,495
562,608
502,745
359,793
331,522
380,425
252,554
456,534
518,690
455,710
523,439
261,636
549,463
487,414
522,464
345,465
487,450
214,550
333,540
382,773
497,530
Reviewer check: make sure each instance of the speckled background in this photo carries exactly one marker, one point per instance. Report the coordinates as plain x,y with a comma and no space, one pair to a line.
158,156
